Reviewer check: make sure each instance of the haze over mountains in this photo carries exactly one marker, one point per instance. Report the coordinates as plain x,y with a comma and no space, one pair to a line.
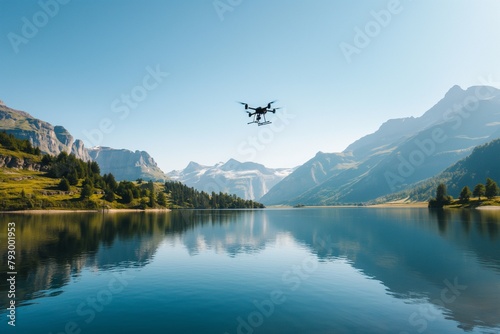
399,155
482,163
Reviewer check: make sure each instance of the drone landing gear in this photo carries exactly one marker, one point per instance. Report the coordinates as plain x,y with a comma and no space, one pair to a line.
260,123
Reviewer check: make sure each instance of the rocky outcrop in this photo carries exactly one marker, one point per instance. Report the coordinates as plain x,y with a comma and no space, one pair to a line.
20,163
126,164
123,164
50,139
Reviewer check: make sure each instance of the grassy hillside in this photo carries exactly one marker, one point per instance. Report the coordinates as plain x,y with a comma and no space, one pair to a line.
25,189
482,163
29,181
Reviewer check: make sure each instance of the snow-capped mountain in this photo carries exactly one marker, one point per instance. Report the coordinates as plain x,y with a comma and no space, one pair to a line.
247,180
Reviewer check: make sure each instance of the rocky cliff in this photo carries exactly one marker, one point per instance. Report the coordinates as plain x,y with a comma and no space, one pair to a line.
50,139
126,164
123,164
20,163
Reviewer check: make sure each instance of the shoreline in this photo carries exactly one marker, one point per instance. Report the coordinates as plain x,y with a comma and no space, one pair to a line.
488,207
40,211
399,205
412,205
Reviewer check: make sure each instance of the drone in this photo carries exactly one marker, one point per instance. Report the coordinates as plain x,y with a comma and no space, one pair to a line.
259,113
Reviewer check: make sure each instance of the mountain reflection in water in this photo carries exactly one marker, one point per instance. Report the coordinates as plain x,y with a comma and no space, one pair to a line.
414,253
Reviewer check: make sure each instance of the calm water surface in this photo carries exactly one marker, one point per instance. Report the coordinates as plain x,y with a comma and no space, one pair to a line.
331,270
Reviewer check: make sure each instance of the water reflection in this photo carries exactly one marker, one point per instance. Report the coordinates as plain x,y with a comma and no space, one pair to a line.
416,254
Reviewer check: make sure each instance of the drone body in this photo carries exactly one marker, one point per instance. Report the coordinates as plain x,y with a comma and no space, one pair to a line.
259,113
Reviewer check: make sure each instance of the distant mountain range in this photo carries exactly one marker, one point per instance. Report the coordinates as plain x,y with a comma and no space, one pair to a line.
399,154
123,164
395,159
247,180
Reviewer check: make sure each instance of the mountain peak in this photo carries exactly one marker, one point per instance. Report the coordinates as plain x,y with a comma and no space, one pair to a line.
192,166
231,164
454,91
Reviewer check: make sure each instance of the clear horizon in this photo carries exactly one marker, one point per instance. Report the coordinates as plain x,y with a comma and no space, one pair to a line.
165,78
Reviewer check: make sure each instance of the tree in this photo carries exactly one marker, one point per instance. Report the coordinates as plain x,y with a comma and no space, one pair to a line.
110,181
94,167
491,188
109,195
64,184
127,196
162,199
72,178
479,190
86,191
465,195
442,197
151,195
441,193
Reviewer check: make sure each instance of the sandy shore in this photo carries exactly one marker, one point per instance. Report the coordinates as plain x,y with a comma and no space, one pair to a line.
84,211
488,207
400,205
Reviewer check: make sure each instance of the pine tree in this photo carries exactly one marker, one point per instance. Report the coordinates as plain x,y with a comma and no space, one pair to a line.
465,195
109,195
64,184
441,193
479,190
86,191
162,199
491,188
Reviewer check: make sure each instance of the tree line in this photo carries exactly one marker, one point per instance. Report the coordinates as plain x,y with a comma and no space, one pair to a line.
86,175
488,190
10,142
187,197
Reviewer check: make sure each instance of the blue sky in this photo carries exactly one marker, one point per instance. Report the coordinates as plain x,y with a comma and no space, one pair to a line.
164,76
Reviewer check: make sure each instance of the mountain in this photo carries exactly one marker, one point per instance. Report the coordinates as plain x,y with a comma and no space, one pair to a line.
123,164
127,165
400,153
50,139
481,164
247,180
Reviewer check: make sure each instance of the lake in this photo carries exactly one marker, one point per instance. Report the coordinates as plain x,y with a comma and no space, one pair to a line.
306,270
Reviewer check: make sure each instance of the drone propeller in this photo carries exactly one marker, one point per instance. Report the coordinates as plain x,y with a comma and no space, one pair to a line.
243,103
269,104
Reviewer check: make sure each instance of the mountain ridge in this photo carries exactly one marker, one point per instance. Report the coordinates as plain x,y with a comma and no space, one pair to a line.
248,180
394,157
124,164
